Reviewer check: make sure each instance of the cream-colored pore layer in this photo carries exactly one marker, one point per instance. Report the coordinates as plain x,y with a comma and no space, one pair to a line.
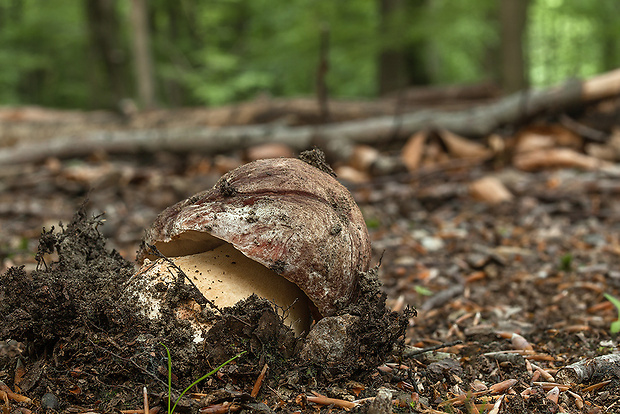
225,276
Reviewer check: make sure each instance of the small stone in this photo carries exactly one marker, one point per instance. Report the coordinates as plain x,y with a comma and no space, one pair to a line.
329,341
382,404
49,402
432,243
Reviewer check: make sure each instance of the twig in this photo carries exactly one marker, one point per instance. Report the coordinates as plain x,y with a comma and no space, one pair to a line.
413,352
478,121
259,381
323,400
146,400
585,131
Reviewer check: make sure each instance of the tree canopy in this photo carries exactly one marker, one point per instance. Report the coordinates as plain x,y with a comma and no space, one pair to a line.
79,54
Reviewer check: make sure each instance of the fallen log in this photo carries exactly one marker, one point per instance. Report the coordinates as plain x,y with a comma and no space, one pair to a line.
479,121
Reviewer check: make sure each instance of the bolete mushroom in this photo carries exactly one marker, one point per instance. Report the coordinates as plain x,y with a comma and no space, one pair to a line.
280,228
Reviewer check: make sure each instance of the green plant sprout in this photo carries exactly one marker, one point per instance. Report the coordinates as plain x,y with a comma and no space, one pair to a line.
193,383
615,325
424,291
566,262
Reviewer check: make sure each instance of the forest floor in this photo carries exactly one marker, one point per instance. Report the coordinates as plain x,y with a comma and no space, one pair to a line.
506,295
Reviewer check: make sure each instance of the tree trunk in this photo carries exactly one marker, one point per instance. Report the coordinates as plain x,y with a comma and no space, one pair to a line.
608,34
143,60
392,64
513,17
106,47
402,62
174,90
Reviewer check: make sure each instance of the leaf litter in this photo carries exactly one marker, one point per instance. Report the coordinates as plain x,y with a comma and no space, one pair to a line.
508,294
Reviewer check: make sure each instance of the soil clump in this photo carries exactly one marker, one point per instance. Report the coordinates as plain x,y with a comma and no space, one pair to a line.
82,347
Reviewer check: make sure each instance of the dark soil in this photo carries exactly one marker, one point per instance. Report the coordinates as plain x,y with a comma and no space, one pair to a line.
89,347
537,266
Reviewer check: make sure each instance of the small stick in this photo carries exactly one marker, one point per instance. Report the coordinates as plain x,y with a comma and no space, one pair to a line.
222,408
596,386
412,352
323,400
146,400
259,382
502,386
549,385
153,410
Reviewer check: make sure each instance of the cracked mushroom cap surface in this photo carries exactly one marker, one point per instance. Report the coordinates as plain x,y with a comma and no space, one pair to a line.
283,213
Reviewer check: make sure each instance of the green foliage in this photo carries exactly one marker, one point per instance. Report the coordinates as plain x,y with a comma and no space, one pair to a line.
42,42
461,38
572,39
373,223
224,51
615,326
171,410
246,47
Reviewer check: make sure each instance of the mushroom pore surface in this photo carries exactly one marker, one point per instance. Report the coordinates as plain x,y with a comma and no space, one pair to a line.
225,276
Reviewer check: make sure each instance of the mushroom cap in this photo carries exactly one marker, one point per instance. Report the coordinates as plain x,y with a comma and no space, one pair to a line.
283,213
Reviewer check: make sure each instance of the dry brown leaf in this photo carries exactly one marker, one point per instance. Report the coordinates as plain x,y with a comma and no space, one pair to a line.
489,190
269,150
351,175
610,151
224,163
556,158
502,386
411,153
554,394
547,136
363,157
460,147
530,141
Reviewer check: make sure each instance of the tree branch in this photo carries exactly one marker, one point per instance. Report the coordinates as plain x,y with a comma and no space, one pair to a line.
478,121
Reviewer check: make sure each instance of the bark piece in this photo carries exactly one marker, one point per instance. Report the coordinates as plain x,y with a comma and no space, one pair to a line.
589,369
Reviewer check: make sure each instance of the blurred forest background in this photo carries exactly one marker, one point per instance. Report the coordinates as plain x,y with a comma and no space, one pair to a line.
94,54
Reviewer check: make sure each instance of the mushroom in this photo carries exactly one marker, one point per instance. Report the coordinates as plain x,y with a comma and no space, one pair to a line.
280,228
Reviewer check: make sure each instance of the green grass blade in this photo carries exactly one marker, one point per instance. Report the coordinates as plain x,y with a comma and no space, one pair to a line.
615,326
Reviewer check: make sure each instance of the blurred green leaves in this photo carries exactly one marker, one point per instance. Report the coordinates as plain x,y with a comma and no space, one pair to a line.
220,51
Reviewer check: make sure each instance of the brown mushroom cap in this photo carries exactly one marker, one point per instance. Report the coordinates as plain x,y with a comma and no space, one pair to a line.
283,213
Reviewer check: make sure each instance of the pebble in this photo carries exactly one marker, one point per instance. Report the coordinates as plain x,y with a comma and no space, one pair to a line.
49,402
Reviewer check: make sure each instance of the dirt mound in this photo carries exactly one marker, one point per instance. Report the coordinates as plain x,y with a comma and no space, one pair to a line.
82,345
